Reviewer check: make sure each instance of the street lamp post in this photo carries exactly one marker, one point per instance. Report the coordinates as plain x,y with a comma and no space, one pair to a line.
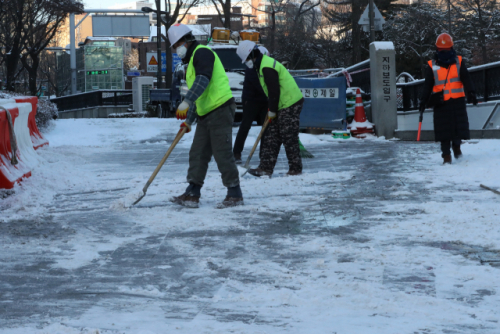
371,15
159,37
158,40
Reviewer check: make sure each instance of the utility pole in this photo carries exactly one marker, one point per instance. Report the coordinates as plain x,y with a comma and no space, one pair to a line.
72,41
158,43
159,38
371,15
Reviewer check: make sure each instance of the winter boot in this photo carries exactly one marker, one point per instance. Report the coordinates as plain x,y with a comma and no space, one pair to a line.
456,151
446,158
293,173
233,198
190,198
259,172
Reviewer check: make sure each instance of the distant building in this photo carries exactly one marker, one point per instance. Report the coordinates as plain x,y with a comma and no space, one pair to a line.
99,65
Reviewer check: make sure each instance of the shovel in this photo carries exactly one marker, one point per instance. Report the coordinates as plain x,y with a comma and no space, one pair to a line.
160,165
247,163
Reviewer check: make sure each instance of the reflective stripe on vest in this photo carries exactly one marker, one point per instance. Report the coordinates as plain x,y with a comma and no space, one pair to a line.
448,80
218,90
289,91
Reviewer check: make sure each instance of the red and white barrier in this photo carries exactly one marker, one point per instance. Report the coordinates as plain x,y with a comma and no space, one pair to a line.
22,113
9,173
36,137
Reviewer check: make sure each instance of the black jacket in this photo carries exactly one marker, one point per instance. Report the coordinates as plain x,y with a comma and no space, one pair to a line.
252,89
450,119
203,60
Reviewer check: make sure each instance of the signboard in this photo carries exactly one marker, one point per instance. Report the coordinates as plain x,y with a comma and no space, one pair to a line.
324,103
320,93
152,62
364,20
133,73
120,25
97,72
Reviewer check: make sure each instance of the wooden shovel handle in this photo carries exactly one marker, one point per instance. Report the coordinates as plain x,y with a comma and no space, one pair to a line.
264,126
160,165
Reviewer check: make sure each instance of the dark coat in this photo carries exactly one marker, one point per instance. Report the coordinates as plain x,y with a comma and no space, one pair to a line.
450,119
252,89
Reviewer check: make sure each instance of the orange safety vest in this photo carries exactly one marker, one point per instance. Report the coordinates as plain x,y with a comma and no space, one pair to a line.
448,80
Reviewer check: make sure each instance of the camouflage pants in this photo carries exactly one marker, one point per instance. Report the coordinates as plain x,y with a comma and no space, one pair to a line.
282,130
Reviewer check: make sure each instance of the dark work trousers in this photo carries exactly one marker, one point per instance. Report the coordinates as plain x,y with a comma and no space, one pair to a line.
214,137
282,130
446,145
252,111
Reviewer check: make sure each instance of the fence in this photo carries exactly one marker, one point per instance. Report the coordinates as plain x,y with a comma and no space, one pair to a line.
484,78
359,74
94,99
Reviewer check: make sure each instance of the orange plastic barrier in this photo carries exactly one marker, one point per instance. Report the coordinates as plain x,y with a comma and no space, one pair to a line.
10,174
36,137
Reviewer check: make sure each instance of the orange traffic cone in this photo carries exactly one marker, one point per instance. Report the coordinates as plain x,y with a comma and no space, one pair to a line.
360,126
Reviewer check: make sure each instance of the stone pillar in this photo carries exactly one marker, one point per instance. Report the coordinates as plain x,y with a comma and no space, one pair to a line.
384,106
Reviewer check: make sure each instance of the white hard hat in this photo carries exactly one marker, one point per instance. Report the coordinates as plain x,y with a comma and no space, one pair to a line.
244,49
263,50
176,32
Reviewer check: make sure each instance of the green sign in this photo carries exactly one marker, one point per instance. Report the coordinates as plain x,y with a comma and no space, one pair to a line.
97,72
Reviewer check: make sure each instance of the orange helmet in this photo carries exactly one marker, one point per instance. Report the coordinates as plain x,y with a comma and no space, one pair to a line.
444,41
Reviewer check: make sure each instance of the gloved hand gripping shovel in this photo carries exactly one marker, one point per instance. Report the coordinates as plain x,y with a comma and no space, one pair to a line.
160,165
246,167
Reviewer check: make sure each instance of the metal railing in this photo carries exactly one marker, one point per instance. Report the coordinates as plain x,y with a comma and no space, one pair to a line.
98,98
485,79
360,75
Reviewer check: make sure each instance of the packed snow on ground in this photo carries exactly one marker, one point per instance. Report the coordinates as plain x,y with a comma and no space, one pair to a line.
64,168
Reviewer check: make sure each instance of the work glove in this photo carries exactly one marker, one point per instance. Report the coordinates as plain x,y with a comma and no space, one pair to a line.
472,98
187,126
182,110
421,107
271,115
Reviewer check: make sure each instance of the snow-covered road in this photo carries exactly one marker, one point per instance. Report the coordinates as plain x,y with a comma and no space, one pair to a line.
375,237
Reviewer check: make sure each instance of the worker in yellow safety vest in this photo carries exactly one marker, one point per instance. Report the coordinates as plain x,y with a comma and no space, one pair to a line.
285,102
446,82
210,102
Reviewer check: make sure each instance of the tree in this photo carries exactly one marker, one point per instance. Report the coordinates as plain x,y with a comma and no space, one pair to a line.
131,60
224,12
346,14
27,27
414,29
11,39
285,12
295,35
478,22
172,18
272,8
42,20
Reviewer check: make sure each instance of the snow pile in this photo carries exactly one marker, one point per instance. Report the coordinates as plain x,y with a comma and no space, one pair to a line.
46,110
